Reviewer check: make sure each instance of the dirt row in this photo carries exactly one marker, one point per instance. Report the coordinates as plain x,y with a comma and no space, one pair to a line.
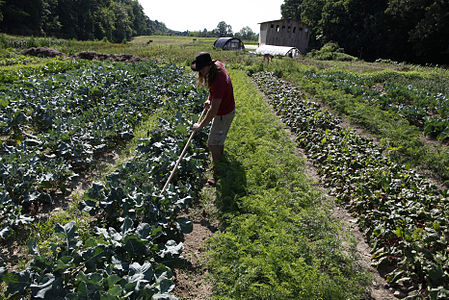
90,55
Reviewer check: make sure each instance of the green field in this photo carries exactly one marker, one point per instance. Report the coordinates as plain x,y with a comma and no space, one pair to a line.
376,133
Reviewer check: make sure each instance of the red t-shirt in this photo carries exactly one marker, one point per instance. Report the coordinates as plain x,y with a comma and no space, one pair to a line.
221,88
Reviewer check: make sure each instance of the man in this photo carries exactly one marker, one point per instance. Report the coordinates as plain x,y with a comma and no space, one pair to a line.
220,104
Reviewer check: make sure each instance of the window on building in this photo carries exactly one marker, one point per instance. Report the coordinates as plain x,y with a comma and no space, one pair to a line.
272,25
300,28
283,27
294,29
277,28
289,29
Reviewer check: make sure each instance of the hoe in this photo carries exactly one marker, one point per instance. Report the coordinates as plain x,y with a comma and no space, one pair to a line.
182,154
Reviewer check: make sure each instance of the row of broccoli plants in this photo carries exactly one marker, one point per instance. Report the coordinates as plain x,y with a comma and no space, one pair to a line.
10,58
22,69
55,127
403,215
136,235
415,100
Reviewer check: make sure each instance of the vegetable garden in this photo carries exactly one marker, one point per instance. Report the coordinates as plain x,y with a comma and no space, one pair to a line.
56,126
406,110
403,215
122,238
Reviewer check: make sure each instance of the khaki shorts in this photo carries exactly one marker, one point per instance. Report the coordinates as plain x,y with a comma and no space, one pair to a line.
219,129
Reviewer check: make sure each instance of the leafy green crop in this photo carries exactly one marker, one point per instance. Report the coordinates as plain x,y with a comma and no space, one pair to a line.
403,215
54,128
280,240
420,106
137,232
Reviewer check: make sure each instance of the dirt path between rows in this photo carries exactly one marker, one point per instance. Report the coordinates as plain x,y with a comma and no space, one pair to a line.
191,277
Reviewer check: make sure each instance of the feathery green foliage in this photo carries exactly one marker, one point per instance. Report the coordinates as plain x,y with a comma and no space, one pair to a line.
280,241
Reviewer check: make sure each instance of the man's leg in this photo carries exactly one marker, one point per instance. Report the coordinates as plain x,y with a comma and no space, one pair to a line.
217,152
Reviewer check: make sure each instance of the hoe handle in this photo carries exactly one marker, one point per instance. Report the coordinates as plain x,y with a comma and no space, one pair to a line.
182,154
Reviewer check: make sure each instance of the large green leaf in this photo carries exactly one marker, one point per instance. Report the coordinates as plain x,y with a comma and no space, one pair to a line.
70,234
51,288
134,246
185,225
172,249
17,282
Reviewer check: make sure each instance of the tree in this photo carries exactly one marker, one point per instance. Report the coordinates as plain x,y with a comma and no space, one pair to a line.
123,29
1,14
410,30
139,19
291,9
117,20
21,17
246,33
223,29
50,24
424,25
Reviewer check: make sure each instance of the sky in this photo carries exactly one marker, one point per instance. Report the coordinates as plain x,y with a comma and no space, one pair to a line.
195,15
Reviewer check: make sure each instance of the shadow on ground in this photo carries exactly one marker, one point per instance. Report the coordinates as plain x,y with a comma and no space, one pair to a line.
231,184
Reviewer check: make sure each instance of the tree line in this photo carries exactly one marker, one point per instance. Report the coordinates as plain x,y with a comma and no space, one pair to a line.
223,29
114,20
402,30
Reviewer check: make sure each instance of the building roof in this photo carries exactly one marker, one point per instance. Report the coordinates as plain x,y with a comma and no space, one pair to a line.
277,50
222,41
290,20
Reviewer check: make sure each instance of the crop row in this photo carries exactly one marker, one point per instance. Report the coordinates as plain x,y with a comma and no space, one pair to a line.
56,127
403,215
137,232
14,73
10,59
422,107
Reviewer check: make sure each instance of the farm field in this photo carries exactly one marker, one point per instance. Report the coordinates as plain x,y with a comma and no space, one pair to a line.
274,234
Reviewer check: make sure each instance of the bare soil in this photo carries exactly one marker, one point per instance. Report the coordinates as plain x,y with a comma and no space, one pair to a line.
42,52
191,278
89,55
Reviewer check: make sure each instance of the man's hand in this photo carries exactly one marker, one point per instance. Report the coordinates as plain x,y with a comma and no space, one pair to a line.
197,126
207,105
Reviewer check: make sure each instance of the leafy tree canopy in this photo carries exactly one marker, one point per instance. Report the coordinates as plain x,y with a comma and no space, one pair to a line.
115,20
411,30
246,33
223,29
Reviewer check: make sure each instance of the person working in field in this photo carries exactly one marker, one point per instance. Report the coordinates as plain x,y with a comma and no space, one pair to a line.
220,104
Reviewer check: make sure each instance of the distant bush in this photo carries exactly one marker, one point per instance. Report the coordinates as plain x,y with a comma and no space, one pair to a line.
31,42
255,68
386,61
330,51
2,41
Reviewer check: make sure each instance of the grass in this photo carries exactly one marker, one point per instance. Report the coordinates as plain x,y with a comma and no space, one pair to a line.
278,240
